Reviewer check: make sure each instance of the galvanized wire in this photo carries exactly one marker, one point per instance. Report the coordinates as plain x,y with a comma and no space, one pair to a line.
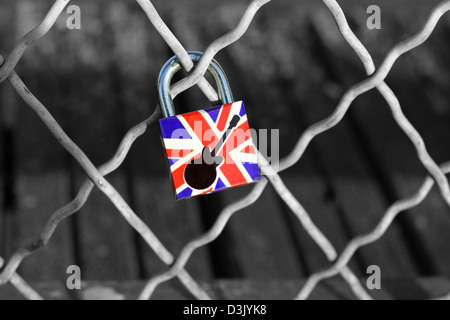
24,288
96,176
216,46
32,37
175,45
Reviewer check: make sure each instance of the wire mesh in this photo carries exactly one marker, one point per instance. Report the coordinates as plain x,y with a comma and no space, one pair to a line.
96,176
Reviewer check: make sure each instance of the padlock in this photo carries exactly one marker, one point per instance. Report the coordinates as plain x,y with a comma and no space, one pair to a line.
207,150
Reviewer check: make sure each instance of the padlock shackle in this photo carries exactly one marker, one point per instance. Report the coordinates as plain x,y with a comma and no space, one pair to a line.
173,66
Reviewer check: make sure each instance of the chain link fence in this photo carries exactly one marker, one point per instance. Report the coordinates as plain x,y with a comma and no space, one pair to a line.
96,176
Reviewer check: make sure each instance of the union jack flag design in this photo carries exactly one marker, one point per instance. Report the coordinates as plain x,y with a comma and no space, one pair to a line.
225,130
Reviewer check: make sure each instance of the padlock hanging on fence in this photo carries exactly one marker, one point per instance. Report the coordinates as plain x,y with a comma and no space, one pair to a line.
207,150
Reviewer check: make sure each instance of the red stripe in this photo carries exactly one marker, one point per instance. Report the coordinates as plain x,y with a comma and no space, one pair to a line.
201,128
236,138
223,118
232,173
250,149
229,168
207,191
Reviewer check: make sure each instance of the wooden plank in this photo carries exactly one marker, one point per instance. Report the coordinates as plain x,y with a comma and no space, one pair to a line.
42,146
174,222
357,192
7,180
417,289
41,187
317,198
333,289
392,156
428,66
433,76
130,290
3,226
434,216
357,195
106,244
261,230
258,290
425,106
39,195
8,119
106,240
39,191
123,105
4,237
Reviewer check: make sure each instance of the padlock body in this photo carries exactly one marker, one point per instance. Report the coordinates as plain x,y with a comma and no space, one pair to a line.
209,150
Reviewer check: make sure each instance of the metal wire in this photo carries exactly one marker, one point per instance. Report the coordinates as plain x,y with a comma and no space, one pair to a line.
175,45
96,176
24,288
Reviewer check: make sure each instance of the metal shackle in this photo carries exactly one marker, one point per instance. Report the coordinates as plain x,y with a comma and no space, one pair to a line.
173,66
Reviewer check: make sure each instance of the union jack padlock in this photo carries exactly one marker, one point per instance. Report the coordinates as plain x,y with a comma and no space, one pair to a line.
207,150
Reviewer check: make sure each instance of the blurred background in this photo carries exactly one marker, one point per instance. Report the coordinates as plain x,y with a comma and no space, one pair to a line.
291,68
